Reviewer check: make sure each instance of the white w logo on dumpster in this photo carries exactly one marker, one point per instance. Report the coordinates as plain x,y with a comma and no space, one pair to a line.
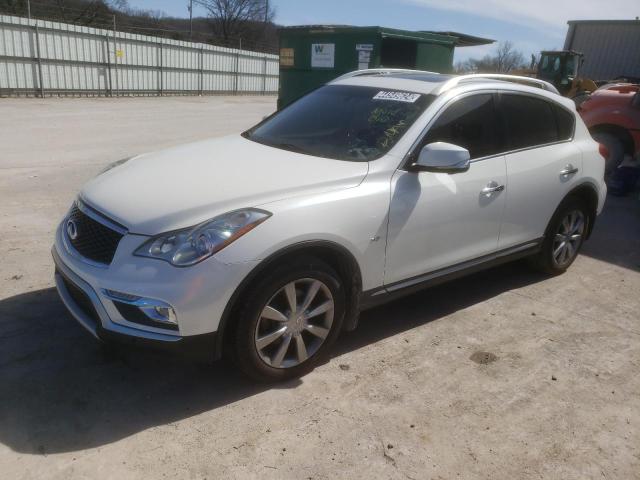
322,55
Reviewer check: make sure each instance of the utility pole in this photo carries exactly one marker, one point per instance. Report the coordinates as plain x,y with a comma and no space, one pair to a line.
266,11
29,9
190,19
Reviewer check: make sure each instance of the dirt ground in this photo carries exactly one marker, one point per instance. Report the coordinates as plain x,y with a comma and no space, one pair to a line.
503,375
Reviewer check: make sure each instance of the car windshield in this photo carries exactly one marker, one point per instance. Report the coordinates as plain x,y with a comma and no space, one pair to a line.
343,122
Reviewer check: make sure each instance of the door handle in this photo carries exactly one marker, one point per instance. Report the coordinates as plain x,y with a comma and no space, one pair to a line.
568,170
492,188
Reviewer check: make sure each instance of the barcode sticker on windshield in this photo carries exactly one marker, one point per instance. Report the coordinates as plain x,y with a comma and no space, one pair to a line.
397,96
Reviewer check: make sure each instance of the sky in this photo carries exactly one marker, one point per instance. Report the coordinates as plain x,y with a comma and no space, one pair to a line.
530,25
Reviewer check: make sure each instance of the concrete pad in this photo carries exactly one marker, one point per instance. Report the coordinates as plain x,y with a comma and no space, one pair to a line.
556,394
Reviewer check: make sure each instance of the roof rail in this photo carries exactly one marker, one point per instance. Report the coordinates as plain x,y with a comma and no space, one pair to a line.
378,71
532,82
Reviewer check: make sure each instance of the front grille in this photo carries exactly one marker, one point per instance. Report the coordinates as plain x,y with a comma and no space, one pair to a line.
93,240
81,300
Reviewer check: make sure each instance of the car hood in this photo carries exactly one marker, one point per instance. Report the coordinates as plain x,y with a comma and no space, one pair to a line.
189,184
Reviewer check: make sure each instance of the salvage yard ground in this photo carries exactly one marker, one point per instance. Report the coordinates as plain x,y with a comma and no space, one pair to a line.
506,374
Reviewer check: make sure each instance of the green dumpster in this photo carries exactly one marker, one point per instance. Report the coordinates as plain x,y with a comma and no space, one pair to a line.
311,56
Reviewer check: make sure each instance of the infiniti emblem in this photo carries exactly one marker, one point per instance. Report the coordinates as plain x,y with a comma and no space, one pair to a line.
72,230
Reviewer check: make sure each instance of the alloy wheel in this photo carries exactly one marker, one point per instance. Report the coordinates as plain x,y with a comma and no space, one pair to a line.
294,323
568,238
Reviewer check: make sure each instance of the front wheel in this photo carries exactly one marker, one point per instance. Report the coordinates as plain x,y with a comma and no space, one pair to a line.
564,237
291,317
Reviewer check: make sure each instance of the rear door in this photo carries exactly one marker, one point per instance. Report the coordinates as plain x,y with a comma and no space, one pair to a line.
542,164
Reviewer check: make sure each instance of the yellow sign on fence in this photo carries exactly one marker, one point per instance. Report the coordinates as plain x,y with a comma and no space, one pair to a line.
287,57
119,53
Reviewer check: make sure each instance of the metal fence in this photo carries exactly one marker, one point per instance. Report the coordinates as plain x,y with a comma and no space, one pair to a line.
43,58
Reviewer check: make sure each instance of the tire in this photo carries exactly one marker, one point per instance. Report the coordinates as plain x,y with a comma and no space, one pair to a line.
273,344
615,147
564,237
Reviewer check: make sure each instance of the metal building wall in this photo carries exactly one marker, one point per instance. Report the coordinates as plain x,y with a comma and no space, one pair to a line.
48,58
611,48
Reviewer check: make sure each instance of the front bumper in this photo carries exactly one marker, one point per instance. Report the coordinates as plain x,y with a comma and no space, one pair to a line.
198,294
85,306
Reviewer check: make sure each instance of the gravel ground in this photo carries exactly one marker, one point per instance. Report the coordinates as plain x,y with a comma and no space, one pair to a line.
503,375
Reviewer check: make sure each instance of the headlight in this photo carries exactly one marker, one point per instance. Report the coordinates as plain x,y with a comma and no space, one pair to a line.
183,248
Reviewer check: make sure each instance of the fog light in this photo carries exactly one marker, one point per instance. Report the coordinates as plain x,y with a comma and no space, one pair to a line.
162,314
156,310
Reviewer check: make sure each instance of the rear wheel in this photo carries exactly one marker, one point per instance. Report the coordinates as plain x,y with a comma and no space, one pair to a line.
564,237
291,317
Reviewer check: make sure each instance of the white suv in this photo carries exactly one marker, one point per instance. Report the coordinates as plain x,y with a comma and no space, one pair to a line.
267,244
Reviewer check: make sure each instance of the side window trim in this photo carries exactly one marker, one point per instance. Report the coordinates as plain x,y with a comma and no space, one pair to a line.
554,107
409,157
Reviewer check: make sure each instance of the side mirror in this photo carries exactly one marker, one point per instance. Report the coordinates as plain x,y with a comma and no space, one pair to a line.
442,157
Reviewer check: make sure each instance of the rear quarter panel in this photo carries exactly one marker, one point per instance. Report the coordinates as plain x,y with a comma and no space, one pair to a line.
592,162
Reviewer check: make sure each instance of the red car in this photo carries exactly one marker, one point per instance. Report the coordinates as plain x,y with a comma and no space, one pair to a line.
612,114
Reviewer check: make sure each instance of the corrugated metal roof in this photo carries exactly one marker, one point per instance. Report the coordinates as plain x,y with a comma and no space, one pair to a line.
607,22
445,38
611,48
465,40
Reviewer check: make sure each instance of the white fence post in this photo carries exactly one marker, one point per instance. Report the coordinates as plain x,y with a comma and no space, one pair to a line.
39,60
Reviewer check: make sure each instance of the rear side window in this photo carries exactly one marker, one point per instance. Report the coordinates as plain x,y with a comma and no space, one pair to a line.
566,123
471,123
528,121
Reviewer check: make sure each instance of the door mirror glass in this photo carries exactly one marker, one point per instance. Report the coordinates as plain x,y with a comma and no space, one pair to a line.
443,157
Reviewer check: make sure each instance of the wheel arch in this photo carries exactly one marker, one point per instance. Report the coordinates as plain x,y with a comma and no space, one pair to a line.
334,254
588,193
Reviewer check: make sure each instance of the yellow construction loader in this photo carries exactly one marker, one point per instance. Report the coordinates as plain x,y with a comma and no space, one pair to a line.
562,69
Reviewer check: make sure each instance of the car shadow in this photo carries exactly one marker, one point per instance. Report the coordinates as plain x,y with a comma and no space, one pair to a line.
62,391
616,236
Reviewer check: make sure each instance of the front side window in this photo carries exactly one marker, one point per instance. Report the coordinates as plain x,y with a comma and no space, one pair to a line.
470,123
550,64
343,122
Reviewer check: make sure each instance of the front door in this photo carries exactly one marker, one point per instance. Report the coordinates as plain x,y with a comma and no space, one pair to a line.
438,220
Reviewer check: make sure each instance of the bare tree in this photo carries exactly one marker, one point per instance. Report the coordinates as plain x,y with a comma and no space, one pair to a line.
504,60
118,4
231,17
83,12
13,6
251,21
507,58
